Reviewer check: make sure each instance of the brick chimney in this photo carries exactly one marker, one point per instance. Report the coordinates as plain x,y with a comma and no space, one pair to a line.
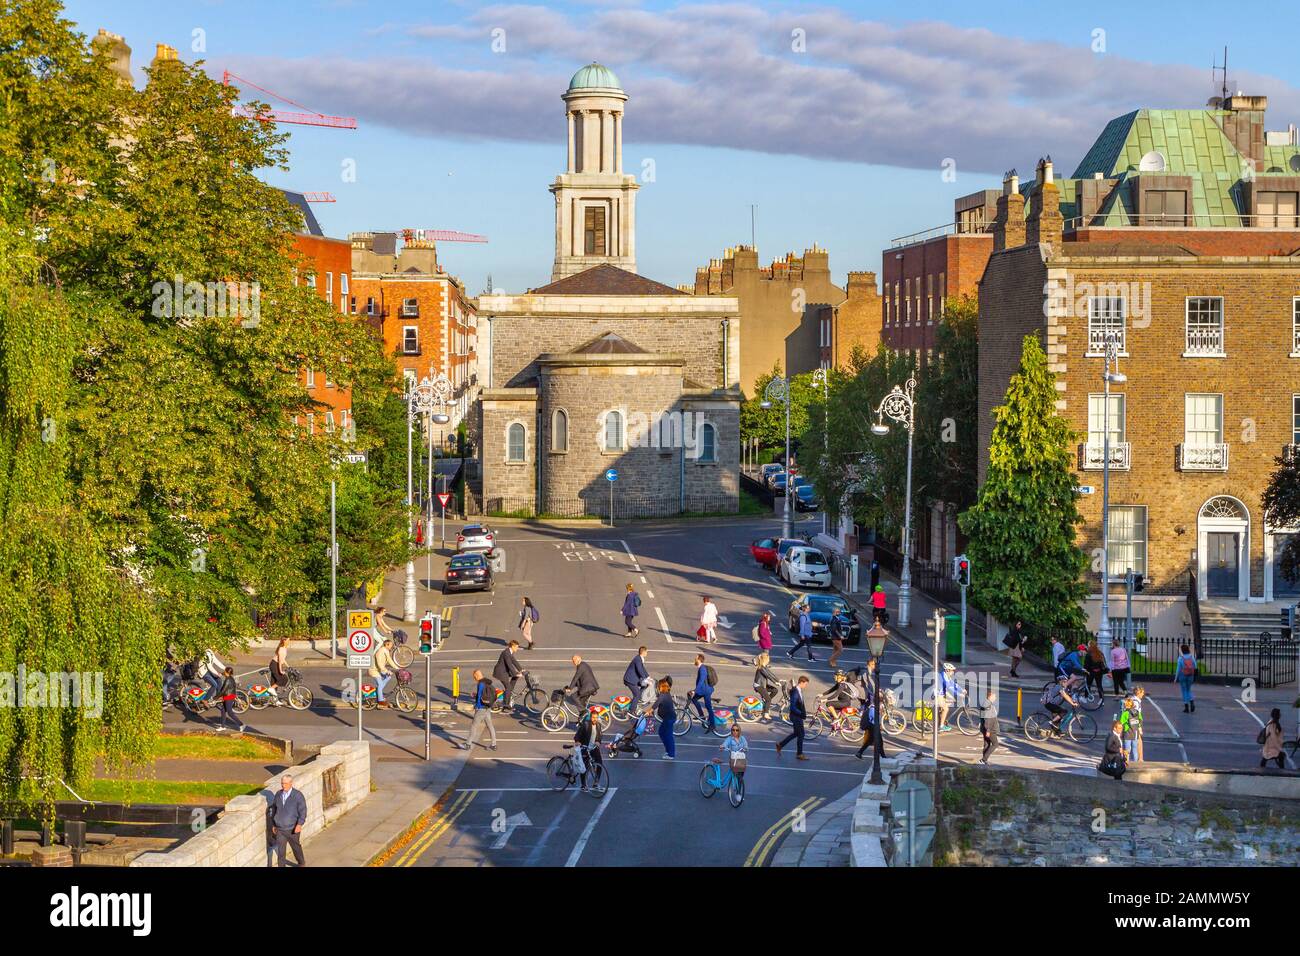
1045,223
119,53
1009,226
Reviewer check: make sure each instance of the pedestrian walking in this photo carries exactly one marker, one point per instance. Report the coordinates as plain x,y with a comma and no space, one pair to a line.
528,616
706,678
637,681
381,669
708,629
1113,763
1130,723
583,684
1015,641
1185,674
228,693
1058,651
870,719
507,671
763,635
288,813
1095,666
989,726
805,633
484,694
631,608
878,612
1270,741
835,630
1139,695
797,714
1119,667
666,712
766,682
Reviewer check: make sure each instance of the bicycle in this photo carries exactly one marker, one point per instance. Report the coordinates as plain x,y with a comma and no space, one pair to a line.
848,724
1079,725
1081,690
198,696
713,779
261,696
557,716
723,718
964,717
562,774
403,697
622,706
534,698
895,717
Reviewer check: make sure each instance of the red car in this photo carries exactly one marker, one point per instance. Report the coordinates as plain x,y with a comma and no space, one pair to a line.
767,551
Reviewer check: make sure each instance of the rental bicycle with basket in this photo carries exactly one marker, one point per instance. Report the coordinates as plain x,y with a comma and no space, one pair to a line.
726,775
262,694
562,710
564,771
403,696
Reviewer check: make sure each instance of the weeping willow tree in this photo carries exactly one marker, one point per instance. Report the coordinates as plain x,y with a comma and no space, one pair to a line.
76,634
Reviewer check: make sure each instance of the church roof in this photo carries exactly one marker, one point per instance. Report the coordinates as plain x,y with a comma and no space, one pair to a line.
594,76
609,343
605,279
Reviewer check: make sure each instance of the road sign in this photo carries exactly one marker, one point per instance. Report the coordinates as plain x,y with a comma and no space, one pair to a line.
1085,489
922,803
904,851
355,458
360,618
611,474
360,661
443,498
360,642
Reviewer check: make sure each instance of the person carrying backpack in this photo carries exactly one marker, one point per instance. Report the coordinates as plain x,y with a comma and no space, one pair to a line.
631,607
1185,674
1270,741
1130,721
527,618
706,678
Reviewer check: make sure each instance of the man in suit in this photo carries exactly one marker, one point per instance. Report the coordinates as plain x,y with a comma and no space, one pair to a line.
507,671
637,679
288,815
583,685
797,714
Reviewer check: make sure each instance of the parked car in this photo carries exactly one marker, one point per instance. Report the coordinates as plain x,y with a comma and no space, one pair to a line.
773,476
804,566
785,544
469,571
475,537
778,483
820,608
805,498
768,470
768,551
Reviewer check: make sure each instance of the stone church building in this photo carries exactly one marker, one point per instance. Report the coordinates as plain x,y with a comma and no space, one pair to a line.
603,368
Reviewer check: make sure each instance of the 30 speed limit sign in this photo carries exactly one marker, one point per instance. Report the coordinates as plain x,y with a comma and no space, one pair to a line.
360,642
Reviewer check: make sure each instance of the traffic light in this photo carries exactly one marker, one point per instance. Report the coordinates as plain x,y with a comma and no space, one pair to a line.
426,634
961,570
1139,582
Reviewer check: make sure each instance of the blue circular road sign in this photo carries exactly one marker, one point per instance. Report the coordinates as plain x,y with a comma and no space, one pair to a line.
611,475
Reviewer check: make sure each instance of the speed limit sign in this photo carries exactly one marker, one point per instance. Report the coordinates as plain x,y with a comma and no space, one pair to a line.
360,642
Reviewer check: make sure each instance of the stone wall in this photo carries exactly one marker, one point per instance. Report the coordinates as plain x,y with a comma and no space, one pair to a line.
512,481
333,783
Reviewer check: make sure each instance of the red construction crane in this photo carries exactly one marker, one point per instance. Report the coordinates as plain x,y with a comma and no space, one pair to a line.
319,197
439,235
308,118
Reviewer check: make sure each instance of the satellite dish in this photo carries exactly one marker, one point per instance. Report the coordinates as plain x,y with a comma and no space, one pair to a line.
1152,162
1295,162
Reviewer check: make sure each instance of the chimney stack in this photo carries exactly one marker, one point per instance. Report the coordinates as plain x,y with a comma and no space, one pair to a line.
1009,226
118,52
1045,223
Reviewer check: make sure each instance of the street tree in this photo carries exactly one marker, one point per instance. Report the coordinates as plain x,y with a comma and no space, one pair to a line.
1281,501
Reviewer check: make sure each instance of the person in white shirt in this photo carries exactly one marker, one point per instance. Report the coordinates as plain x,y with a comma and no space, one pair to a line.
1058,650
709,621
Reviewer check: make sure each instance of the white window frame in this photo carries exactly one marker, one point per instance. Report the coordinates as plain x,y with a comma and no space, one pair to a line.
1103,329
611,416
329,287
410,308
1188,431
1095,435
311,280
1188,350
311,377
1295,327
523,444
557,431
1121,559
407,330
343,292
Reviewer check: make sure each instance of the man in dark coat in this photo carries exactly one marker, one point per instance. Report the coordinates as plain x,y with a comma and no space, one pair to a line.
288,812
636,678
583,684
507,671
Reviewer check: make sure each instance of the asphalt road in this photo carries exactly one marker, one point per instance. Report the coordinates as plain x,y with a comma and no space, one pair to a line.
500,810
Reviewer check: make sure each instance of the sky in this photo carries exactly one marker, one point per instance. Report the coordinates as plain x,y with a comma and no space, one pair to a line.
842,124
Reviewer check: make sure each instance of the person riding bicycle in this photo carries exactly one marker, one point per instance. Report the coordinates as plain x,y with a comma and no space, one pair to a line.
948,692
587,737
1072,663
1055,699
840,695
766,682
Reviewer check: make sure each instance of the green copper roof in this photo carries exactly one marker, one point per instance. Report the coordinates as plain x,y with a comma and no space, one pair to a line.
594,77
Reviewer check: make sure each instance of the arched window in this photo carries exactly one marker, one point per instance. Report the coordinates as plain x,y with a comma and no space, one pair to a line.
559,431
708,443
515,442
613,431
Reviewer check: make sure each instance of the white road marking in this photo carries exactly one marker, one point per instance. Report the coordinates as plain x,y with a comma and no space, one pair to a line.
636,565
663,625
1160,710
648,593
587,830
1183,751
658,762
643,579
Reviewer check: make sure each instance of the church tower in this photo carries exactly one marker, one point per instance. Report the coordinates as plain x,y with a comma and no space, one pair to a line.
595,202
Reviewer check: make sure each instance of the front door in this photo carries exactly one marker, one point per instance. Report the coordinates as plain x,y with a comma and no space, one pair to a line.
1282,588
1221,564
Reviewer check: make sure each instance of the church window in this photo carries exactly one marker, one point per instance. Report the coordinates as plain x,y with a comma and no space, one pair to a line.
559,431
594,231
708,443
515,442
613,431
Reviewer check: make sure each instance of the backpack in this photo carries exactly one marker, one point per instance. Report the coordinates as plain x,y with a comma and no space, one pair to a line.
532,612
710,675
1189,665
1262,735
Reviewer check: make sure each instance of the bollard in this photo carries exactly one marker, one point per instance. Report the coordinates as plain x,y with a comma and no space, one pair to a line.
7,837
74,835
1020,700
455,683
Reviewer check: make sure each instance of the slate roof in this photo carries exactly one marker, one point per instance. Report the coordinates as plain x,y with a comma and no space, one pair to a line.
310,226
609,343
605,279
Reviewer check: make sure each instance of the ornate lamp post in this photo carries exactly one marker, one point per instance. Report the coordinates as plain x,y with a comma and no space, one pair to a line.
900,406
420,400
1107,377
822,377
877,638
778,390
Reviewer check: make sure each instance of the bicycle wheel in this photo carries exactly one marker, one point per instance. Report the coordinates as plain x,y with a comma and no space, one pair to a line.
722,722
619,712
535,701
241,702
1092,700
557,773
682,726
405,700
604,721
554,719
707,789
736,789
299,697
599,779
851,729
1038,726
783,713
260,702
968,721
403,655
1083,728
370,703
813,727
895,722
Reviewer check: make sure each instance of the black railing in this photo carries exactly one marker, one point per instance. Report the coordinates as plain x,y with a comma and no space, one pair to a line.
597,506
928,577
1270,661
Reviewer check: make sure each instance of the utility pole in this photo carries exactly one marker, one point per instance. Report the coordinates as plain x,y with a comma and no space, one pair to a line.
934,706
334,568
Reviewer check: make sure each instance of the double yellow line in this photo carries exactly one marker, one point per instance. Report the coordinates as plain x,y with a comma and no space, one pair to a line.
439,825
777,831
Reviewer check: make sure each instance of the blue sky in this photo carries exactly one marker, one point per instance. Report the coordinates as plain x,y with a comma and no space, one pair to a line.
835,119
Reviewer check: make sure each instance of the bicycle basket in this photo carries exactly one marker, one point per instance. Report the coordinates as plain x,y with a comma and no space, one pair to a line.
294,674
739,761
557,696
403,676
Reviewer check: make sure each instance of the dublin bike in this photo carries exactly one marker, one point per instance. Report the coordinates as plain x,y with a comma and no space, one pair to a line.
564,771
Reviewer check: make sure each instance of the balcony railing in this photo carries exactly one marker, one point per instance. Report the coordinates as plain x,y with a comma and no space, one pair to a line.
1295,339
1099,335
1205,341
1091,456
1289,453
1203,457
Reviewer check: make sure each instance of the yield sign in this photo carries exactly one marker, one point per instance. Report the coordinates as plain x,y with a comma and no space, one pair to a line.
443,498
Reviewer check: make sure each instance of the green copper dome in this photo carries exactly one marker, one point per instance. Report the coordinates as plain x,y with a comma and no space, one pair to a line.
594,77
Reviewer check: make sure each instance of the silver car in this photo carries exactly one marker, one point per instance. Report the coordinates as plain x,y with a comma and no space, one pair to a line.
475,537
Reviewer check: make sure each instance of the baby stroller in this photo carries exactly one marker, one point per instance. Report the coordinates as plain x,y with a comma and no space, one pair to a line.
627,742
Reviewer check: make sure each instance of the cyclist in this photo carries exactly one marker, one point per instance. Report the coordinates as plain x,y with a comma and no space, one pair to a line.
587,737
736,743
1055,699
703,692
766,682
948,692
839,696
1072,663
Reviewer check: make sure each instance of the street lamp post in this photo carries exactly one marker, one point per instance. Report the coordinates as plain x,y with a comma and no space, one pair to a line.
900,406
822,377
420,400
877,637
1107,377
778,390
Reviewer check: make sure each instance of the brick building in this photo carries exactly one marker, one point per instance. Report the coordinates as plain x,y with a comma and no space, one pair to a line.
828,335
427,322
774,302
1177,238
603,368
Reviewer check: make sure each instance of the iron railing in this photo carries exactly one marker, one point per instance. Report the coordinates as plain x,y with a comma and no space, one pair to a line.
1203,457
1091,457
1205,340
597,506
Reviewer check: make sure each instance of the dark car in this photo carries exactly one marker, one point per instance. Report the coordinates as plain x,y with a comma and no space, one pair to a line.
805,499
467,572
820,607
778,483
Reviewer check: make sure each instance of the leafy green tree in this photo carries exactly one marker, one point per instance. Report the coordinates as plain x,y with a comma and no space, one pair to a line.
1022,529
1281,502
947,408
768,424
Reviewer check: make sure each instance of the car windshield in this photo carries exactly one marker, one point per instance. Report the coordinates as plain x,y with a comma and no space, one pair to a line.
472,531
814,559
821,603
787,544
765,543
803,491
467,561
